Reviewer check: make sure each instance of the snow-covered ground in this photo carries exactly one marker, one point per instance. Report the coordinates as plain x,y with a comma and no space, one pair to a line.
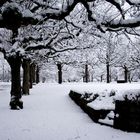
49,114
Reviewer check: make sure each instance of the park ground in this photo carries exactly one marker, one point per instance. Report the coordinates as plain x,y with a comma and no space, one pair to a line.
49,114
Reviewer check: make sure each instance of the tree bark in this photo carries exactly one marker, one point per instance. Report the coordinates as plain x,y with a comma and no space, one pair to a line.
26,76
33,72
86,74
37,75
102,78
31,76
15,63
125,74
108,72
59,66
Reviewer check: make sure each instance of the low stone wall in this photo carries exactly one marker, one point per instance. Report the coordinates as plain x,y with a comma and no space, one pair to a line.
127,116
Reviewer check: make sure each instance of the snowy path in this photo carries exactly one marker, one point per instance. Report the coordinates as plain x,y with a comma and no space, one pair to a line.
49,114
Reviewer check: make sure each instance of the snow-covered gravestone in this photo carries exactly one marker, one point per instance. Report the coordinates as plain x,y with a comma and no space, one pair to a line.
127,111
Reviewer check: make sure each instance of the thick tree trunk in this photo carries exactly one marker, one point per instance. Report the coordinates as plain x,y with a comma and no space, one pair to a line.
59,66
26,77
15,63
108,73
37,75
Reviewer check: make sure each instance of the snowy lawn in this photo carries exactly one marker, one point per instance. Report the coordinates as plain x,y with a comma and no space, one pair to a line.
49,114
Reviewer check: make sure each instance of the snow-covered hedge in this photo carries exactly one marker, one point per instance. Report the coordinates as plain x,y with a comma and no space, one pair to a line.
106,99
111,107
103,100
129,95
96,104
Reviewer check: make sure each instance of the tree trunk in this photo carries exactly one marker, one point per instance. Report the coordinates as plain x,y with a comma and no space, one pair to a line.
15,63
59,66
26,77
108,73
125,74
33,72
110,76
129,77
92,78
37,74
86,74
31,76
102,78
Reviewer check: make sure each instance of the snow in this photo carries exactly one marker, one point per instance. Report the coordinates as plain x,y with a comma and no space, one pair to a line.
109,119
106,121
49,114
11,5
135,1
111,115
133,95
28,13
104,101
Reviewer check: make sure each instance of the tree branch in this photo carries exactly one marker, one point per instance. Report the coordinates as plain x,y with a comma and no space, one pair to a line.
117,5
116,25
130,2
3,51
3,1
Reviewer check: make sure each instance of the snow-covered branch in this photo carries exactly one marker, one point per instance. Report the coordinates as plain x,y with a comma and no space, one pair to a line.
3,1
2,50
118,25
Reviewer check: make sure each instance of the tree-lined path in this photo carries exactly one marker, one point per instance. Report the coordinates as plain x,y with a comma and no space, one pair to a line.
49,114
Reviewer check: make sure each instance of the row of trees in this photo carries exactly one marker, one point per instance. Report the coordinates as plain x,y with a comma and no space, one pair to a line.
107,57
4,70
28,71
101,63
